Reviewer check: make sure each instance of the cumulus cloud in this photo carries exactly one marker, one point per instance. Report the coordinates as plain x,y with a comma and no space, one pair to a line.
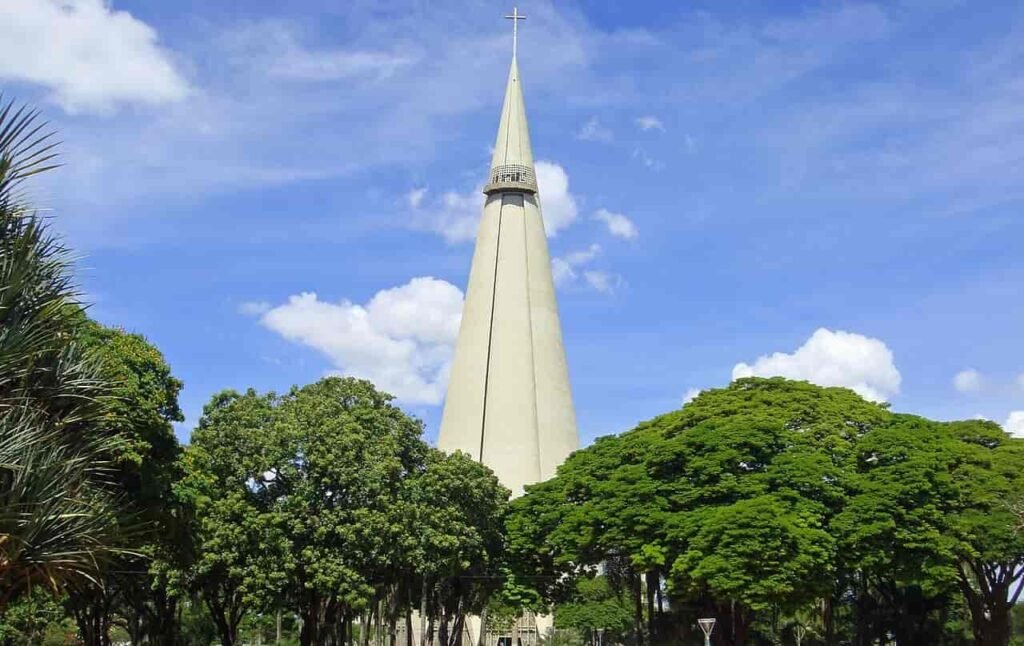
401,339
967,381
453,215
593,130
558,203
563,269
833,358
650,122
618,224
456,216
90,56
1015,423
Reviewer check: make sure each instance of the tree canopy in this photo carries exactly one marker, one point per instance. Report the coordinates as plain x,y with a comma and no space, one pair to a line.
771,496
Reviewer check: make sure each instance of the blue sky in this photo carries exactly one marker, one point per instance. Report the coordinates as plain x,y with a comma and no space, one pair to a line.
724,181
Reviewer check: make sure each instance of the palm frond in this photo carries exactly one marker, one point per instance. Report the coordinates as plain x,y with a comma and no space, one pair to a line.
59,520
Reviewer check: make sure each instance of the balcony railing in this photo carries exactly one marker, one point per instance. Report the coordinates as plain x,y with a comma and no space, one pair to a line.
511,177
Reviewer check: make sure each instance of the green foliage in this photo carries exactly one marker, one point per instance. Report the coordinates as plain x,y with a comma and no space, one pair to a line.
87,450
761,552
57,517
36,618
242,553
595,606
141,404
770,496
327,498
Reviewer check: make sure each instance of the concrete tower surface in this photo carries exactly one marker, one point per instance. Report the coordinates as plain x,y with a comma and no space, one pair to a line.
509,404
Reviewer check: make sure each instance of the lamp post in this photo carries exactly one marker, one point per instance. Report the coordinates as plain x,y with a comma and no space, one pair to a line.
707,624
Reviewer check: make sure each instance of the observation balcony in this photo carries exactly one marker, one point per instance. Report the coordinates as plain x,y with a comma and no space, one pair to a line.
512,178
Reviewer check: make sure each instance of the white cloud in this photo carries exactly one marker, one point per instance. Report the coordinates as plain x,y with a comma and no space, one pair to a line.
967,381
618,225
454,215
563,270
253,308
90,56
1015,423
569,268
603,281
592,130
837,358
415,197
558,203
401,340
691,394
650,122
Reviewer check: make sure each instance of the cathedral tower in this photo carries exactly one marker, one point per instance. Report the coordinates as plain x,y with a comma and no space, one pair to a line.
509,404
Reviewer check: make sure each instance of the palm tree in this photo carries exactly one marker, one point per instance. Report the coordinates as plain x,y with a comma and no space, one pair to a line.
58,519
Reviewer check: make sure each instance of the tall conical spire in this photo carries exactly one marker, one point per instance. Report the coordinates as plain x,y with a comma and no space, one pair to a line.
512,146
509,404
512,162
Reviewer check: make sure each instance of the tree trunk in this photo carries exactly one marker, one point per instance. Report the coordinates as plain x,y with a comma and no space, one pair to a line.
652,584
990,611
442,631
310,635
226,621
425,590
482,637
638,609
458,628
864,605
393,617
828,619
365,623
378,624
92,615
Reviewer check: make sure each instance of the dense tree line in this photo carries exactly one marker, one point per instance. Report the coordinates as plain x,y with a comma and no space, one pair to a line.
325,502
773,505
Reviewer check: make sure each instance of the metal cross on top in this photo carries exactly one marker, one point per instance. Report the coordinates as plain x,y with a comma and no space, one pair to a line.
515,18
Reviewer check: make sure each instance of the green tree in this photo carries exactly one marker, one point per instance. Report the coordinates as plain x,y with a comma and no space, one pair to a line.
729,500
140,406
340,453
458,519
301,499
35,618
242,555
894,530
988,522
596,606
58,521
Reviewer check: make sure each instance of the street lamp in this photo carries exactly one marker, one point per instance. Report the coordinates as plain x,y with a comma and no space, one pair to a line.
707,624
